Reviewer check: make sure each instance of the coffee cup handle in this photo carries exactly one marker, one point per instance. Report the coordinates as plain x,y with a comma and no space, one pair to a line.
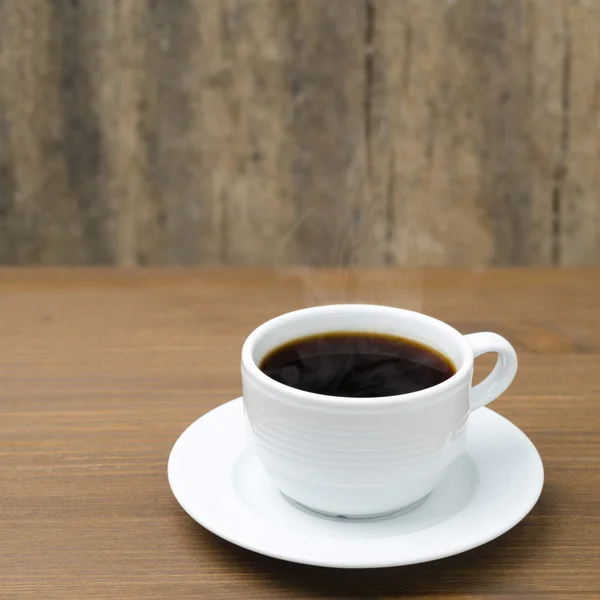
504,372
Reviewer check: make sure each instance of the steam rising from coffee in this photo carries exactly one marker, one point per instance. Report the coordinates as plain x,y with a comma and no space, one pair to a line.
350,271
348,234
357,265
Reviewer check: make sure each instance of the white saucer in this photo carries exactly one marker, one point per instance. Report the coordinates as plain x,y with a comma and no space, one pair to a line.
222,486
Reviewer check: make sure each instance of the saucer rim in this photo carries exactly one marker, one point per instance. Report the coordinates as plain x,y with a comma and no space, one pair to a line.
364,562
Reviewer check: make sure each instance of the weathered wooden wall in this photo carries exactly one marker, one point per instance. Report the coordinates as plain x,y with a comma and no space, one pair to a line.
437,132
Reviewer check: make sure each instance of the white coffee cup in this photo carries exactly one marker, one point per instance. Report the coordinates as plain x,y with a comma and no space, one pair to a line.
362,457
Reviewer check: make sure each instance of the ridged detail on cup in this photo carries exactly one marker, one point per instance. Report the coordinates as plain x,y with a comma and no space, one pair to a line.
336,449
355,444
327,454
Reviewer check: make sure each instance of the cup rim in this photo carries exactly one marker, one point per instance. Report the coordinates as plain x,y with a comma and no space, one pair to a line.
250,365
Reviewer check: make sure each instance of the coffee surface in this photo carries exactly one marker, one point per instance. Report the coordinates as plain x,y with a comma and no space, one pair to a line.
357,364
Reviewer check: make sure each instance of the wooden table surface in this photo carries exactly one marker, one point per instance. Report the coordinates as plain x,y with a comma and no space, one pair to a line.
102,370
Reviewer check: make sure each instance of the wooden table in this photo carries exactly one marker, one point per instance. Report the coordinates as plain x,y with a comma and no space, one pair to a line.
101,371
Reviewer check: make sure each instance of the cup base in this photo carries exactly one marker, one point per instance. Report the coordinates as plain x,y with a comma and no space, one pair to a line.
361,518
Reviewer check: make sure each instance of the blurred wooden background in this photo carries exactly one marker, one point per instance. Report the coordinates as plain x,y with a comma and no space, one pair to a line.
376,132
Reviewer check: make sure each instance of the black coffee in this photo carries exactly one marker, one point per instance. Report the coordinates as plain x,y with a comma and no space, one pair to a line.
361,365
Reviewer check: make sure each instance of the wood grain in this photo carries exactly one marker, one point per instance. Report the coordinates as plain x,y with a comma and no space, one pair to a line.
101,371
289,132
580,217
